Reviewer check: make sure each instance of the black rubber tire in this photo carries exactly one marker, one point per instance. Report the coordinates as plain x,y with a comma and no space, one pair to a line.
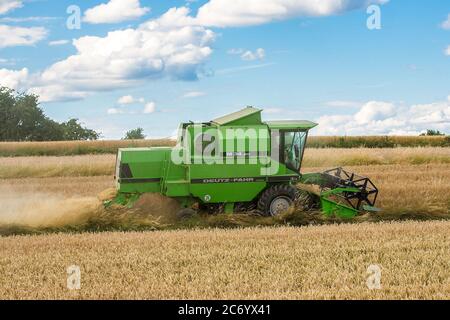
274,192
186,213
306,201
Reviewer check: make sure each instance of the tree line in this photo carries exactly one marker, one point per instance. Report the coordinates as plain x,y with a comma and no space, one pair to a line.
22,119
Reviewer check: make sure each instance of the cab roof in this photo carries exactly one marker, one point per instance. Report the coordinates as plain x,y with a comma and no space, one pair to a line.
252,116
245,116
291,124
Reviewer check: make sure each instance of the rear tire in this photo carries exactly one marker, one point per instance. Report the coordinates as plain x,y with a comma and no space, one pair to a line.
277,200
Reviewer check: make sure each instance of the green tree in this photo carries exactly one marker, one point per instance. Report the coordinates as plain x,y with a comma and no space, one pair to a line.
433,133
73,130
135,134
22,119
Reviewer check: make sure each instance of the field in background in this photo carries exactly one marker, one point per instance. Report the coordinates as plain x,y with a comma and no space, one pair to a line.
69,148
320,262
99,165
14,149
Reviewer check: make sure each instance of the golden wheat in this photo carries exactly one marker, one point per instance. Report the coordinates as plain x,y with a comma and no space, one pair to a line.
60,148
66,166
408,188
377,141
63,186
68,183
98,165
366,156
326,262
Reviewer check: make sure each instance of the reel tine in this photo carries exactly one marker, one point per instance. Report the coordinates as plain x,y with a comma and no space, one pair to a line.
338,177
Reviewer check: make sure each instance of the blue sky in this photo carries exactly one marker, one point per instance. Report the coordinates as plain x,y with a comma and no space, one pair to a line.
155,64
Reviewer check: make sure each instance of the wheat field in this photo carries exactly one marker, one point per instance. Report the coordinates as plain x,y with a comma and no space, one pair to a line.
100,165
310,262
319,262
61,148
60,192
410,180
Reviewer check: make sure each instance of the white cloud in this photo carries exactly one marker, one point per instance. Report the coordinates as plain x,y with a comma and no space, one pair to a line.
333,124
115,111
194,94
8,5
14,79
375,111
58,42
259,54
159,48
175,45
149,108
446,24
8,61
384,118
236,51
126,100
54,91
115,11
20,36
247,55
447,51
234,13
130,100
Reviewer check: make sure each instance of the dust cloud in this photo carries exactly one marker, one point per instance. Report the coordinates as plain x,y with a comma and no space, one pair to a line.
39,210
42,210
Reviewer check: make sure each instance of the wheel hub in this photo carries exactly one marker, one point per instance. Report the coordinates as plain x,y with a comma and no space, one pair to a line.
280,205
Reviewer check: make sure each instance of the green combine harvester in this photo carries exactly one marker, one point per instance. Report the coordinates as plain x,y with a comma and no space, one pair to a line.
239,163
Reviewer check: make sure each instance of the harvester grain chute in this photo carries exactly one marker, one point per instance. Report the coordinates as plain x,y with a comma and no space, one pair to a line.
238,161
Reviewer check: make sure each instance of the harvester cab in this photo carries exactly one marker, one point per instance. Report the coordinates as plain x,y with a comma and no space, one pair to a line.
238,162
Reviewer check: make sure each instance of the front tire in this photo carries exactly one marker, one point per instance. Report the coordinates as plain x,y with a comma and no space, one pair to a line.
277,200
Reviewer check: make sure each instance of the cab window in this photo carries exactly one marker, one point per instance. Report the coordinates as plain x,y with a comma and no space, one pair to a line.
294,145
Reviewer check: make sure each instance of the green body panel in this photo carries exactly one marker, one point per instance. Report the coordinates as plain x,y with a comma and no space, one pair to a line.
140,187
196,180
147,166
219,187
291,124
333,208
240,173
242,169
247,116
312,178
228,138
328,205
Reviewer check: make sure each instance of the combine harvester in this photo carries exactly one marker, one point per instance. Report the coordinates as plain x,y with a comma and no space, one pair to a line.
239,163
